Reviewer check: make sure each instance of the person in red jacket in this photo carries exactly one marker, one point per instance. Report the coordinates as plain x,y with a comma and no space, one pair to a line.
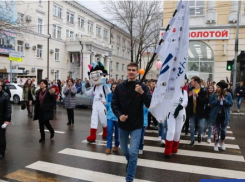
57,91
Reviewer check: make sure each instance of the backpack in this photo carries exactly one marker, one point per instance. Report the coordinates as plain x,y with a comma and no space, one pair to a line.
103,90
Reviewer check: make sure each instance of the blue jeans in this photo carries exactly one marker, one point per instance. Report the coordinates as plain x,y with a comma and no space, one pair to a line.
142,138
239,102
210,128
110,125
131,153
162,129
192,126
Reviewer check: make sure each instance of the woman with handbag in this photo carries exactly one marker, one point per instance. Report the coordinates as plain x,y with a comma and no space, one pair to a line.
44,109
70,100
28,96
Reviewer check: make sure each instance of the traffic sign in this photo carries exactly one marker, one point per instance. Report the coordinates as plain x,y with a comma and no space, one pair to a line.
15,56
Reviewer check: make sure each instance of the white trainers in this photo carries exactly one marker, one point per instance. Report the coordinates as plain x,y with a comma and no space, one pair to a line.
163,142
222,145
140,151
209,140
216,148
159,138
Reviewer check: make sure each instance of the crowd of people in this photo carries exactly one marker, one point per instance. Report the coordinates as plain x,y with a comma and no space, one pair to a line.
200,109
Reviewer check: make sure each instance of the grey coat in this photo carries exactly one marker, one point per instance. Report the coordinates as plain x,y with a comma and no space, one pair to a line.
70,97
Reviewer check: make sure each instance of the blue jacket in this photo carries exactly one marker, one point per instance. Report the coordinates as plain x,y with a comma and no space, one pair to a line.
214,103
110,114
146,111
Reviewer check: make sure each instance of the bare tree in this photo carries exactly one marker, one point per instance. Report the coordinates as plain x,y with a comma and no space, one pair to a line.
141,19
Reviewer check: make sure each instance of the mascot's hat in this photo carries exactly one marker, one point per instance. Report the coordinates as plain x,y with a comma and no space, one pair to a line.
97,66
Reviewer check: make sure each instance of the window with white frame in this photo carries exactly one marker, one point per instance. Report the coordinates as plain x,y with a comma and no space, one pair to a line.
57,55
118,40
123,53
20,19
56,32
116,77
40,26
117,66
128,55
70,17
98,30
57,11
20,46
56,75
70,34
117,51
39,51
196,8
124,43
90,26
123,65
105,33
81,22
122,77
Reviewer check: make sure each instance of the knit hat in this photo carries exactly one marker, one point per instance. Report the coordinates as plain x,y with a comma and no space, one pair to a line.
45,82
222,85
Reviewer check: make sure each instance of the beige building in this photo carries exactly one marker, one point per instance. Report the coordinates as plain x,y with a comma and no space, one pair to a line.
212,36
60,38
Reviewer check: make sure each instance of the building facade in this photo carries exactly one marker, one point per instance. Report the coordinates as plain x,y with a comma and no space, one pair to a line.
61,38
212,36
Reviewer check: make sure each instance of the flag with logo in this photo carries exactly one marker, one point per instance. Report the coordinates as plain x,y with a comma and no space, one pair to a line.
173,53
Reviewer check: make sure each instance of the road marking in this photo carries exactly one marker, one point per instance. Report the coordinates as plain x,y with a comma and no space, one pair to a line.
209,171
189,153
231,146
61,132
155,131
77,173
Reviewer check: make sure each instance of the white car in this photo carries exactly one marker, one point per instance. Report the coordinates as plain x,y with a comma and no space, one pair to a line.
16,91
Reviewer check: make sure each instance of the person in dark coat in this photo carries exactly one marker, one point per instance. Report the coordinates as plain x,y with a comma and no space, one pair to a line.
70,100
5,118
240,90
5,88
44,109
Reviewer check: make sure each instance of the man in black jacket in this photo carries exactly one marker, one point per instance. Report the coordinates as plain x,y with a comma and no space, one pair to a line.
196,108
5,117
5,88
240,91
127,104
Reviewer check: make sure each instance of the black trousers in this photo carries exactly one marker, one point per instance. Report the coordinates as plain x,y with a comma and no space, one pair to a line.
70,114
48,126
187,123
2,141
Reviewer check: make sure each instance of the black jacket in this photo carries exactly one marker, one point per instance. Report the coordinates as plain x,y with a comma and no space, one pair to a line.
128,102
240,90
5,107
200,107
47,110
6,89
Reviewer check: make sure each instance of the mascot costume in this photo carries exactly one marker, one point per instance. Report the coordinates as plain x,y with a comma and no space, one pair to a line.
98,92
175,121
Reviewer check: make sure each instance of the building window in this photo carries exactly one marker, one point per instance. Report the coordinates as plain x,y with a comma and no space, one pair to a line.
123,53
123,67
70,17
40,26
56,32
90,26
20,46
196,8
81,22
39,51
122,77
98,30
57,55
57,75
20,19
70,34
124,43
128,55
105,33
117,51
40,2
57,11
118,40
116,77
117,66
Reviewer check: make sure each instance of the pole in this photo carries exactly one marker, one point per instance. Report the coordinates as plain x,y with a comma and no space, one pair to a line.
48,44
236,52
10,72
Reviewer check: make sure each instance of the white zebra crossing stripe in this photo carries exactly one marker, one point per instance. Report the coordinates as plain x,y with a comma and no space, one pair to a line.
231,146
155,131
77,173
209,171
60,132
189,153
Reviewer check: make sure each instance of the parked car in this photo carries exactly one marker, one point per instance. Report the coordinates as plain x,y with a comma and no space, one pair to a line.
83,100
16,92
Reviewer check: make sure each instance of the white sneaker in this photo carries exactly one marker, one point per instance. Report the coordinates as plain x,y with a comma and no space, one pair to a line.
140,151
209,140
159,138
222,145
163,142
216,148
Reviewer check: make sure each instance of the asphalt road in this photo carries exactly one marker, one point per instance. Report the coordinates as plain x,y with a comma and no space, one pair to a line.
68,157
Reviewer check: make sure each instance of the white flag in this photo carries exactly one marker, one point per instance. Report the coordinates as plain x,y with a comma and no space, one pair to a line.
173,53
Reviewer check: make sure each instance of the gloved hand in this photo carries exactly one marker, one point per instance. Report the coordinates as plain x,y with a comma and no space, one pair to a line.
103,81
176,112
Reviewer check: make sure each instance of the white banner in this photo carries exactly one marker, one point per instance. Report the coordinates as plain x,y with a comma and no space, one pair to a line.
174,55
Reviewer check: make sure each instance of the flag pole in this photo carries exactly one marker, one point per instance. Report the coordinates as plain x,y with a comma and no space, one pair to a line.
149,64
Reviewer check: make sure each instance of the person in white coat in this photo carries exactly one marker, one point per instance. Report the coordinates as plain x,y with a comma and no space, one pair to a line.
99,92
175,122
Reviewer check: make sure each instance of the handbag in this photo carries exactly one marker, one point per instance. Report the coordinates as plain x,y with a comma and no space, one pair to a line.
23,105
